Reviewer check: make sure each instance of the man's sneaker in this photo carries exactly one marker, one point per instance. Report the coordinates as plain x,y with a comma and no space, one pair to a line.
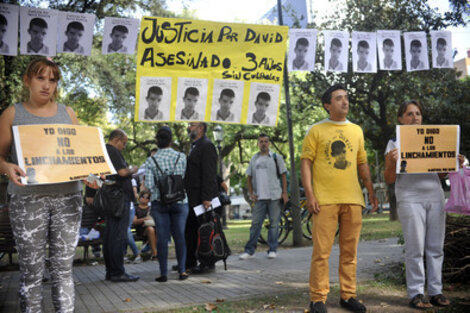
272,254
137,260
317,307
353,305
245,256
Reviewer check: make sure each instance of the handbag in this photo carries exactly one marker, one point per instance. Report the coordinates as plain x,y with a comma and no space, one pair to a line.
224,198
109,200
150,221
459,198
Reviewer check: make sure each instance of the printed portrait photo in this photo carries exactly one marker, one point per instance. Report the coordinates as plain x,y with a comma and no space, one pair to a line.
77,34
227,101
191,99
38,31
154,99
364,51
9,29
441,42
336,51
416,51
389,49
263,104
119,35
302,44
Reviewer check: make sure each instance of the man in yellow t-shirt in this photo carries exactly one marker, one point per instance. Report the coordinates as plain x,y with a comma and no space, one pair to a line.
332,156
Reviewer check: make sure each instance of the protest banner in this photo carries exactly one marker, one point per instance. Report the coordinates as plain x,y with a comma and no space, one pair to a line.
195,55
54,153
428,149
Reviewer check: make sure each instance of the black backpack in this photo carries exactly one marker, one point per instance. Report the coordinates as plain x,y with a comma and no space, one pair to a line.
170,186
211,242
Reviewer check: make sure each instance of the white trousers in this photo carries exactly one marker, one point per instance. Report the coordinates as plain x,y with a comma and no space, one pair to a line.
423,225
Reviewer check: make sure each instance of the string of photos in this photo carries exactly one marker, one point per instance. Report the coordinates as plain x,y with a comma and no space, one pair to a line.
48,32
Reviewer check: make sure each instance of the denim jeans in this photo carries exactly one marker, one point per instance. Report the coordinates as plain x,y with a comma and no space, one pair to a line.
261,208
170,219
130,236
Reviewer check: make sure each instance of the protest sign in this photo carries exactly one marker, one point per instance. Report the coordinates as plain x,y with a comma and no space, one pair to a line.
195,55
54,153
428,149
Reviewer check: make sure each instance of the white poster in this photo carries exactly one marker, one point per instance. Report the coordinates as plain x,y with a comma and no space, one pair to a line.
441,42
302,44
262,107
191,99
38,31
389,48
416,51
336,51
9,29
155,98
227,101
75,33
120,35
364,52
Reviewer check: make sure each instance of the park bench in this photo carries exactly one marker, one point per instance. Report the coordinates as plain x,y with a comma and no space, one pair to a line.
7,242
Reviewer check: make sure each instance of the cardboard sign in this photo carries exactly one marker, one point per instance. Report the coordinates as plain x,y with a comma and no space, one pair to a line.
428,149
180,63
54,153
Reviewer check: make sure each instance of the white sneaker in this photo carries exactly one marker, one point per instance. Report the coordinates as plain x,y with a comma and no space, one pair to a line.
245,256
137,260
272,254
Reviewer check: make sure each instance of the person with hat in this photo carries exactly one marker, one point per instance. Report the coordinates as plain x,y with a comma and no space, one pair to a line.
169,218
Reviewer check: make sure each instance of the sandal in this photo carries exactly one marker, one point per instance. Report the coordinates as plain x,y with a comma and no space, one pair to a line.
420,303
439,300
183,276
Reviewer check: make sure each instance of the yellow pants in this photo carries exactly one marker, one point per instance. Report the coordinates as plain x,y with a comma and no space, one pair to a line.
325,224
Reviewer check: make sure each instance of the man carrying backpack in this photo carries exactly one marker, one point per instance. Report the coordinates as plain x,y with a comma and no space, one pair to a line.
265,174
200,182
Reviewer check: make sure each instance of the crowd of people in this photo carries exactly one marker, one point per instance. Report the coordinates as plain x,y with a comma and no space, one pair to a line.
333,157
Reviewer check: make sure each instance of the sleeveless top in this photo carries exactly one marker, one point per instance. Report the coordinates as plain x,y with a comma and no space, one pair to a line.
23,117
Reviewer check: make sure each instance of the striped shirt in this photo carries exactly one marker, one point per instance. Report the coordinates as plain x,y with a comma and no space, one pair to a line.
166,159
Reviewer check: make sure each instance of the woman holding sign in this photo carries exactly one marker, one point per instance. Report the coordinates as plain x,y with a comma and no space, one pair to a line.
420,204
41,215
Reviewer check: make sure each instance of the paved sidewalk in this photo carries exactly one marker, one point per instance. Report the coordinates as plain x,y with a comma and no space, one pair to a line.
243,279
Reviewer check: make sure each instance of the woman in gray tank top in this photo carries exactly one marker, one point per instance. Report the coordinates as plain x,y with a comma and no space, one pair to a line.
41,215
420,204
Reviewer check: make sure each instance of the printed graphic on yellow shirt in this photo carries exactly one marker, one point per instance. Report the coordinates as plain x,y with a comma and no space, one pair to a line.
338,150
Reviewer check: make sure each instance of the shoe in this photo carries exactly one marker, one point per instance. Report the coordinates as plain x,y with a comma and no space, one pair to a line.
161,279
439,300
154,258
124,278
127,260
420,303
272,254
246,255
174,267
318,307
137,260
353,305
203,269
183,276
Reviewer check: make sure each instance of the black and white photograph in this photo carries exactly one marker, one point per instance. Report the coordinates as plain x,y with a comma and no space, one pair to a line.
38,31
302,44
263,104
416,51
9,29
75,33
441,41
336,51
364,52
154,98
191,99
227,100
389,50
120,35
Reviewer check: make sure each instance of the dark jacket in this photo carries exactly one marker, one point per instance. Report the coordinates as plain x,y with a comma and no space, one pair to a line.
200,180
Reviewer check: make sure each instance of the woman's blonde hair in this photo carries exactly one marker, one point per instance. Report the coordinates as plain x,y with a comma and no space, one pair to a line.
37,67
